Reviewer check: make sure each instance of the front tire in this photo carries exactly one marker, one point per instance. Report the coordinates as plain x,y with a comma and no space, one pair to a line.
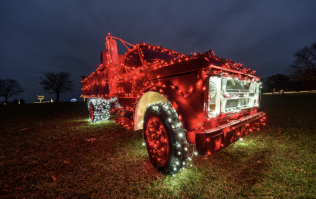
165,139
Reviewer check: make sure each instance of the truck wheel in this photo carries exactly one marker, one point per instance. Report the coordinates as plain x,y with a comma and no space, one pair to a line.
165,138
94,112
105,110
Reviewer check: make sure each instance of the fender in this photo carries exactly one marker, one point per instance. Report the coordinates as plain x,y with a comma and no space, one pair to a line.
165,94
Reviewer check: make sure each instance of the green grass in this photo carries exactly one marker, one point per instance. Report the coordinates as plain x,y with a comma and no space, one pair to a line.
44,152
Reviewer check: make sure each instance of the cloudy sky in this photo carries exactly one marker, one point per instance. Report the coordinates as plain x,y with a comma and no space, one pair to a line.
68,35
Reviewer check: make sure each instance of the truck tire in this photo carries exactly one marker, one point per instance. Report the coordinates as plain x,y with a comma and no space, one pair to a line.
165,139
94,112
105,110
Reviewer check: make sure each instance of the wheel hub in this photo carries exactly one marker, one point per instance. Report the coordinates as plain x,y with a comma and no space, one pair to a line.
157,141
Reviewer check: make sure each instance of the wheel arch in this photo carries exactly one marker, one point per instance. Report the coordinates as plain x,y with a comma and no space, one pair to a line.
147,99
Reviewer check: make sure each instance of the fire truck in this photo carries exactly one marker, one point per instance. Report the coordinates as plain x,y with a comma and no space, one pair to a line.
183,104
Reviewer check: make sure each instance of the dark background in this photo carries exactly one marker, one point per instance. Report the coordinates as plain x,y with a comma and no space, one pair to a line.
68,35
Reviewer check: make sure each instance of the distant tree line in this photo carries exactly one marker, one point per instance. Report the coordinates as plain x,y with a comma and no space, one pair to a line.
52,83
301,74
279,82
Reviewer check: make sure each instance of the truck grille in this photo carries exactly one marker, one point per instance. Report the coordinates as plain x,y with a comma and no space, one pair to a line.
236,104
231,95
238,95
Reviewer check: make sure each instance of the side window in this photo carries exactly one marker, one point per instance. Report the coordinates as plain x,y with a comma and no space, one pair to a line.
133,59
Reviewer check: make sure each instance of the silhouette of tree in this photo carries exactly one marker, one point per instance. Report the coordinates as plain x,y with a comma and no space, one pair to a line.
56,83
278,81
304,65
10,88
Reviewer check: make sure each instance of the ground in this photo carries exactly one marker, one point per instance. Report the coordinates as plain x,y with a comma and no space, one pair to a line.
52,150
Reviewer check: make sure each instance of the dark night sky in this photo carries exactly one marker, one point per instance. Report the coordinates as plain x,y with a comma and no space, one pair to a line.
68,35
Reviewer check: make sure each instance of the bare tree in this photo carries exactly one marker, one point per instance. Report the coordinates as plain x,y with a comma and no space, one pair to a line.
56,83
304,65
10,88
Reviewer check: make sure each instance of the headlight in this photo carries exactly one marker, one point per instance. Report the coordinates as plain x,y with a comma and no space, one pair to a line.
212,90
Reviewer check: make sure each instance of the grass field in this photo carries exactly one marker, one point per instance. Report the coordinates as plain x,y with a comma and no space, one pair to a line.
51,150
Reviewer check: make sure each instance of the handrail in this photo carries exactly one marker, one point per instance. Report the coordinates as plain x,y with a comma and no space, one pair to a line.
121,40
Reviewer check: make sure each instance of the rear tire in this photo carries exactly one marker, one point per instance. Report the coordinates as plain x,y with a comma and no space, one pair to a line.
98,110
94,112
105,110
165,138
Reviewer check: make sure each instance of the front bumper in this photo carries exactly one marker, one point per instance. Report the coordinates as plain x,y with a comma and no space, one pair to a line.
211,140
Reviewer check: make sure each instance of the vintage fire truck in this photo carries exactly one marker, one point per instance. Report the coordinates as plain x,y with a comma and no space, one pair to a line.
182,104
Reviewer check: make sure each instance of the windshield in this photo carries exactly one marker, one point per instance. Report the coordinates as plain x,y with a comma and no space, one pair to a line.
151,55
